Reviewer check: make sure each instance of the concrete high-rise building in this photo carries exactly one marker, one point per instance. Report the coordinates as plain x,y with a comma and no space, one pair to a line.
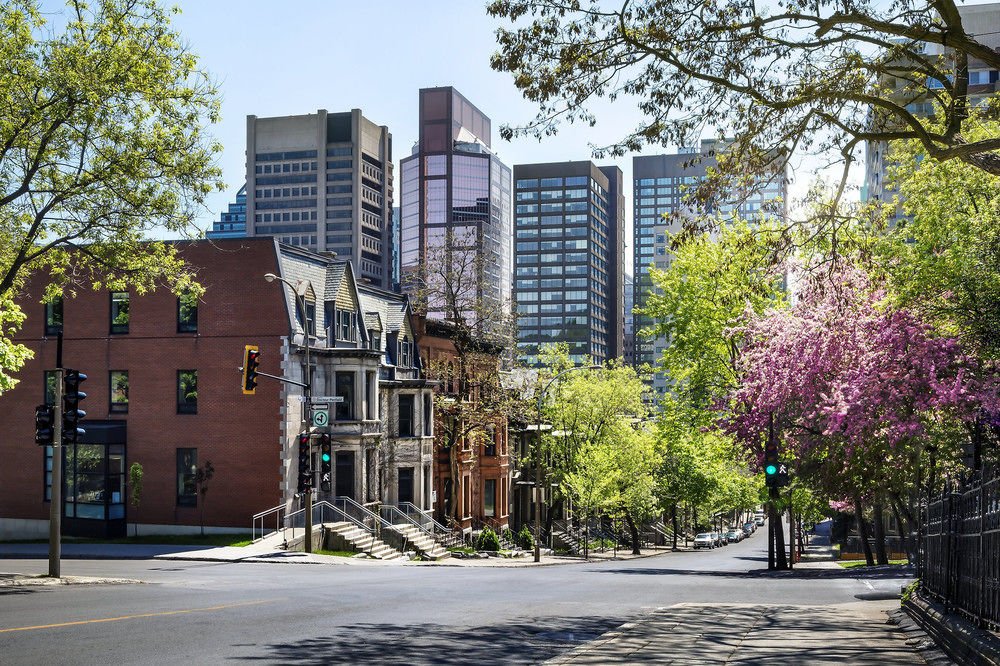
323,181
454,187
569,259
659,184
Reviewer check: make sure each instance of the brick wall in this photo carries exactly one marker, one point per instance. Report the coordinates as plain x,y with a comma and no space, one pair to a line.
238,433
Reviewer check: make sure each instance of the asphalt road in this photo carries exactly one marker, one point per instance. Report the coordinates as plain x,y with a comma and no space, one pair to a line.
195,612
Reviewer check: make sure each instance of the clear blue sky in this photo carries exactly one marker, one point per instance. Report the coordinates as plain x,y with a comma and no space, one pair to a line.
298,56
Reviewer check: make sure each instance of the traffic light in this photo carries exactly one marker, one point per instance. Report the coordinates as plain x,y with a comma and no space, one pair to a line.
325,466
251,360
775,474
45,417
305,473
72,395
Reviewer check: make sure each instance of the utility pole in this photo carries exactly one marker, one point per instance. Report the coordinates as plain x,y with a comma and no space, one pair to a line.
55,501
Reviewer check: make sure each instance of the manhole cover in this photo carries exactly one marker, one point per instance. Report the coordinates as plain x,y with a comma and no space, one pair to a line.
566,636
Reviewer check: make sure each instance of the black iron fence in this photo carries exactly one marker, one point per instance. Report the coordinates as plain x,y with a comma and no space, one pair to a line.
960,549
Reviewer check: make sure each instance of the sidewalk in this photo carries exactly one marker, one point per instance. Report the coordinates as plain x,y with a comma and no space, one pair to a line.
852,633
261,553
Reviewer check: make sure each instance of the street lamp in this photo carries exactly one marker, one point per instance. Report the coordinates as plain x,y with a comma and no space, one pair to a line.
538,456
300,290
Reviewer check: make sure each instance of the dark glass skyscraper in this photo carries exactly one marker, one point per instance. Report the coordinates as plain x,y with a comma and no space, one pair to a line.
569,244
453,186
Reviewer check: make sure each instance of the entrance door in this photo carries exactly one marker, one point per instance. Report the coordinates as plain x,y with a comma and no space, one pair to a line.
405,485
345,474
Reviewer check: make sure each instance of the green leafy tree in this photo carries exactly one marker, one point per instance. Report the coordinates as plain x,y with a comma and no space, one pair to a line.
101,140
780,78
135,490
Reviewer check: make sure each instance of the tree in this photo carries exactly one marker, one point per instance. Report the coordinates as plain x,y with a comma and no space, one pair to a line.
101,140
943,258
450,284
202,476
135,490
791,76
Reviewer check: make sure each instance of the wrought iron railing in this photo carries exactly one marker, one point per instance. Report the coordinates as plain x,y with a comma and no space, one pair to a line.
959,561
445,536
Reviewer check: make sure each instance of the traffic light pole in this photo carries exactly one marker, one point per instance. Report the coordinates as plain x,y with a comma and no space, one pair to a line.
55,501
307,390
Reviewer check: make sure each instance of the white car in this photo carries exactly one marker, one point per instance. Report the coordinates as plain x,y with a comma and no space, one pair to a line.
705,540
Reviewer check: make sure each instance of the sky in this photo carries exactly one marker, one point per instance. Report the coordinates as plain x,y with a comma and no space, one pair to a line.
297,56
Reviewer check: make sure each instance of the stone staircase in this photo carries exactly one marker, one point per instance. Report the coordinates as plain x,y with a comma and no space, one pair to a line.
419,540
352,537
567,537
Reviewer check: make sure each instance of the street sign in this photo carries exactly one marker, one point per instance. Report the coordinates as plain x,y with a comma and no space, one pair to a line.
323,398
320,415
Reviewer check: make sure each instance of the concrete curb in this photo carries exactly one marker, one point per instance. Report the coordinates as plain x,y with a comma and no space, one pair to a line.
570,656
957,636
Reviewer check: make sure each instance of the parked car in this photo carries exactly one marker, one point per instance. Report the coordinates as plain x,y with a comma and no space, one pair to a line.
723,538
747,529
759,520
735,535
752,525
704,540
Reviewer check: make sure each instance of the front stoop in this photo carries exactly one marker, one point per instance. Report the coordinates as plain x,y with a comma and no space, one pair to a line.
427,547
348,536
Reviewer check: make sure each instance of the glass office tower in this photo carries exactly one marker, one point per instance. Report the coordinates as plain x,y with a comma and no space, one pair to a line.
233,222
454,187
660,183
568,259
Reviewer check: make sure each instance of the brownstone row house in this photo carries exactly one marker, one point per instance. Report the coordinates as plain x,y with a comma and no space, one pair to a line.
472,475
163,391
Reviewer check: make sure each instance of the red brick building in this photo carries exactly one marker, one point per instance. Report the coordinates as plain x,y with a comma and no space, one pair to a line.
163,390
471,479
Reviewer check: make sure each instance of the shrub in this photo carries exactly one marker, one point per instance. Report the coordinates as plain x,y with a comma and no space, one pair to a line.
524,539
487,540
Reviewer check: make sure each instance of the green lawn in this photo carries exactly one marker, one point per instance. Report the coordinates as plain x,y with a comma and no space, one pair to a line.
337,553
160,540
850,564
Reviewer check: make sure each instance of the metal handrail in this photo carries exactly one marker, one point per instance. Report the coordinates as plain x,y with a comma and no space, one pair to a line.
444,535
394,512
410,508
349,506
260,518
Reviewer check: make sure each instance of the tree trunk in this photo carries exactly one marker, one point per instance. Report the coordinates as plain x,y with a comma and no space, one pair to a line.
904,532
878,521
633,532
863,532
673,519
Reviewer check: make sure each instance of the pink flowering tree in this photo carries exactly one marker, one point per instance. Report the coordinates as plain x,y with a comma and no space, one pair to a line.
868,401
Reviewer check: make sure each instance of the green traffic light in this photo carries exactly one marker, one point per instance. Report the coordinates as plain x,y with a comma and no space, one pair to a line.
326,457
770,470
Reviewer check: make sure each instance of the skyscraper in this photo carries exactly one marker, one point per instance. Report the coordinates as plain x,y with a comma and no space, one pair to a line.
569,254
628,353
659,184
323,181
454,187
233,222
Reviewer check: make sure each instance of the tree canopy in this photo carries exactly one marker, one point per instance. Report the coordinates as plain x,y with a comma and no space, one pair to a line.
101,140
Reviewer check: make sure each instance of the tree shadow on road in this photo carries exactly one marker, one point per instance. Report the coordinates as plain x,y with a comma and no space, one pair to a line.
866,573
525,641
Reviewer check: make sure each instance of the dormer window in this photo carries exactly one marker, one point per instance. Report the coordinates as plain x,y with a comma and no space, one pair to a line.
374,339
347,325
405,353
310,314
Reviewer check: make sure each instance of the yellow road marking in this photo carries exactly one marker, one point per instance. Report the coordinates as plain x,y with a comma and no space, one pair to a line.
133,617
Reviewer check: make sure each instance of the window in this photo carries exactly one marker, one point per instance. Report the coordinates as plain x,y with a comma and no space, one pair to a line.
50,387
428,418
489,497
345,389
490,444
119,312
347,325
54,316
374,339
310,315
187,391
405,353
406,415
187,313
118,386
187,468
